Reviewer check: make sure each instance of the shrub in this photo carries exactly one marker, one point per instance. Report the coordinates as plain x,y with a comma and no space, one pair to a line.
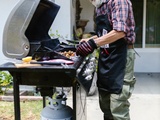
5,81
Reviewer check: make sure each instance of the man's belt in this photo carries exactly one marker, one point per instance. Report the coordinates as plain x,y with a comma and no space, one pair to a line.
130,47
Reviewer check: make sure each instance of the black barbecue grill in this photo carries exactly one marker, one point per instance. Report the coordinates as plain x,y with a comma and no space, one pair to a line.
26,34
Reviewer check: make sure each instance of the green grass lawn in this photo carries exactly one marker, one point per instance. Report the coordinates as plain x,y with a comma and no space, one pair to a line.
30,110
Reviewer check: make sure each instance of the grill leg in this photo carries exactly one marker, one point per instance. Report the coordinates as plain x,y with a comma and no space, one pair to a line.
44,101
16,98
74,102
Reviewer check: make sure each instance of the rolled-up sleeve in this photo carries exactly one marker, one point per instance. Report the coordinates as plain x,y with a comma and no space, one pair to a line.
120,15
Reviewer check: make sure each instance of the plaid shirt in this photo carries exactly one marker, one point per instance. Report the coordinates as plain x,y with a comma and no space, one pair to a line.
120,15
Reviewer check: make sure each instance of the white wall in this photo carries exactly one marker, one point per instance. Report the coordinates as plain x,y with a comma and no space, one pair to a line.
87,13
149,60
65,19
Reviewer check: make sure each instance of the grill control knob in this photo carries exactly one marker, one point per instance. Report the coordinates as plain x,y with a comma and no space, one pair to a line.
78,70
93,59
89,77
87,72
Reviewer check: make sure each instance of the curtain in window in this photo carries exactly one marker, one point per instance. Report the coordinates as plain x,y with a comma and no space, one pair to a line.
153,24
138,15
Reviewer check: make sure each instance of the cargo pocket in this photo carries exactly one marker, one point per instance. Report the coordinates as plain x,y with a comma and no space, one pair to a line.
125,94
129,70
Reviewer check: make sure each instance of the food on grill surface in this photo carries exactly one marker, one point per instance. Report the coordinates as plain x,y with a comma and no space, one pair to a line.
27,59
68,54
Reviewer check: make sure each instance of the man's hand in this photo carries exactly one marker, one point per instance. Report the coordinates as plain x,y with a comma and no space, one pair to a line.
86,48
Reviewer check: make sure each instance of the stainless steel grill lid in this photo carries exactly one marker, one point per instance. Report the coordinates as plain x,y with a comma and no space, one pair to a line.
28,24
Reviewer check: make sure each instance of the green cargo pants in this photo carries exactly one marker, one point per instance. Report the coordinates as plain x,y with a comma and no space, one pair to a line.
116,106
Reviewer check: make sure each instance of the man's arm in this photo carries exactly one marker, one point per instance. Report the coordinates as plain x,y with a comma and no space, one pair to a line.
112,36
90,44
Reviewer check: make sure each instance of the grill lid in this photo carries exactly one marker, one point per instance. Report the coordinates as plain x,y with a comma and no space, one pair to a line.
28,22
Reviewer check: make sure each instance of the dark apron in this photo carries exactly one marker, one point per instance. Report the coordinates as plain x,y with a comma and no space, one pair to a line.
112,60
